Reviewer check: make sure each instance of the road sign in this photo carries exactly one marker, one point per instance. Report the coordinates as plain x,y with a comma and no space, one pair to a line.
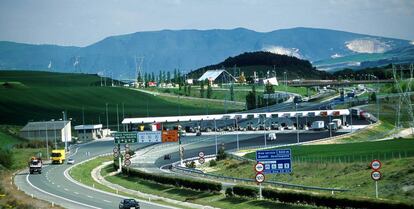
376,165
376,175
127,162
125,137
115,149
149,137
201,154
260,177
116,154
201,160
127,156
275,161
259,167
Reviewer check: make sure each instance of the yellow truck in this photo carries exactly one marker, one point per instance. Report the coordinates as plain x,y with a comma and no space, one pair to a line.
58,156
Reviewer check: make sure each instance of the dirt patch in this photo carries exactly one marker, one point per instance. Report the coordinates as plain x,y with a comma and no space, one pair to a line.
10,197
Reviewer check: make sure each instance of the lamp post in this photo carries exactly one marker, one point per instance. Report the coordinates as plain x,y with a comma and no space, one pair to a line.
215,134
297,122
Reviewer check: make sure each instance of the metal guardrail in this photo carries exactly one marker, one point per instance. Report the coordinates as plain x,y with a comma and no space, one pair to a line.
234,179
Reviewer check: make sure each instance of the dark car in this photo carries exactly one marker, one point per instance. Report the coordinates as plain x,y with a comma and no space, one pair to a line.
129,203
167,157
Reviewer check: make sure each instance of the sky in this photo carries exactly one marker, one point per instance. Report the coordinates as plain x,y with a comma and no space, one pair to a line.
84,22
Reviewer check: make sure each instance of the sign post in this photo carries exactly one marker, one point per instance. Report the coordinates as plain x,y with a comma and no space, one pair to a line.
201,156
272,161
376,174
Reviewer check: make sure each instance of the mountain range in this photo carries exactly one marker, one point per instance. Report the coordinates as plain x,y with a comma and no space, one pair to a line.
166,50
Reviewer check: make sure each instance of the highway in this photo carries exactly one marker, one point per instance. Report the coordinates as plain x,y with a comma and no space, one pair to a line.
68,194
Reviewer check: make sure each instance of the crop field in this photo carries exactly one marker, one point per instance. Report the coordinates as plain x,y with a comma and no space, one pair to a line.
27,96
362,152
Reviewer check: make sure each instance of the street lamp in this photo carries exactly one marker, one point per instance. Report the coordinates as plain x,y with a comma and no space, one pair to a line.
297,122
215,134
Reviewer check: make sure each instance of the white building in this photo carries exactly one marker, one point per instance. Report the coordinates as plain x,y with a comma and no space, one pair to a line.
217,76
89,132
47,130
271,81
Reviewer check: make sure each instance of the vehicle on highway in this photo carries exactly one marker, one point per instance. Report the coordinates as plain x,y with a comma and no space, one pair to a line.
272,136
198,133
318,125
332,126
70,161
167,157
129,203
297,99
58,156
35,165
338,122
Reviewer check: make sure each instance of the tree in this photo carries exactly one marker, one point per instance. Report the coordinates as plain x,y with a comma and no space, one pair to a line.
373,96
221,155
209,90
168,77
269,88
231,92
202,89
251,98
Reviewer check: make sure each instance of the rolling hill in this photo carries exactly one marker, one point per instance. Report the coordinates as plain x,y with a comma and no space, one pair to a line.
28,95
188,49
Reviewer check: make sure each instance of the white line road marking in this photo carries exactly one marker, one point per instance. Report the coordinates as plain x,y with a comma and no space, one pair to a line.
76,192
66,189
107,201
72,201
89,196
58,186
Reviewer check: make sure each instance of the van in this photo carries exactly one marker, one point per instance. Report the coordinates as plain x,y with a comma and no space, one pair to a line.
318,125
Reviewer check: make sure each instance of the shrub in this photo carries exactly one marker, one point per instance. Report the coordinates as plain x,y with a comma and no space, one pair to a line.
190,164
213,163
175,181
229,192
6,157
244,191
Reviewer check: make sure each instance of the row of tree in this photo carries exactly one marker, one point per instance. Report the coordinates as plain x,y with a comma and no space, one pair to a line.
162,77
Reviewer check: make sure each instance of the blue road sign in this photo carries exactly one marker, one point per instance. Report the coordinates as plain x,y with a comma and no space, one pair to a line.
275,161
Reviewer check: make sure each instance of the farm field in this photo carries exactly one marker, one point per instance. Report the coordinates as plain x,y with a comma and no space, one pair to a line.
40,96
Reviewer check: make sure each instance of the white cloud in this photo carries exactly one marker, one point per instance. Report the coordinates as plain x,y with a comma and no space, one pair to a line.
367,45
412,42
282,50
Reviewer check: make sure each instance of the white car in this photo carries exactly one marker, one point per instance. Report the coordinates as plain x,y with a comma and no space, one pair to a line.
272,136
71,161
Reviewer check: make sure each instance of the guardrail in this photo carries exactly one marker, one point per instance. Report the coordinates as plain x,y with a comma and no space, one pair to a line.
175,167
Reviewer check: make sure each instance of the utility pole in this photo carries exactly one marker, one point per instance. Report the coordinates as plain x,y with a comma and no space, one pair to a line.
215,134
64,130
117,116
47,142
297,122
107,121
83,121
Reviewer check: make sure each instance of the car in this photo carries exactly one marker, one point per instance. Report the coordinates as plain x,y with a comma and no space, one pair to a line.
129,203
71,161
167,157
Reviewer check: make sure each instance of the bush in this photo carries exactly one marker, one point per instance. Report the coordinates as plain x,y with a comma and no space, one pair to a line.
244,191
175,181
328,201
213,163
229,192
190,164
6,158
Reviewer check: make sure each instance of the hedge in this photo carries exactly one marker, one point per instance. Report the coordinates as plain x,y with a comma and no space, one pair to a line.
316,200
329,201
175,181
244,191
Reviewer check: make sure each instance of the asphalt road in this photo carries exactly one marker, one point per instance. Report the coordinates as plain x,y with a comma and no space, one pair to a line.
65,192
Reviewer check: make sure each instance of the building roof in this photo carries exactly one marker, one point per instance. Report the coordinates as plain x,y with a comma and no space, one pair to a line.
213,75
239,116
88,127
43,125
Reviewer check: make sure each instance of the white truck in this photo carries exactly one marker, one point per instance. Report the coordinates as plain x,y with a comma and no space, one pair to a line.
338,122
318,125
35,165
272,136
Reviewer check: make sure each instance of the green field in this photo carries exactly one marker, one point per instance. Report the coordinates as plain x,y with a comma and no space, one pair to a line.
45,95
343,166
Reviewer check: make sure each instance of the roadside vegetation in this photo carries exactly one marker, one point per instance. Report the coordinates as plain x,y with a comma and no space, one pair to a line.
14,155
344,166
